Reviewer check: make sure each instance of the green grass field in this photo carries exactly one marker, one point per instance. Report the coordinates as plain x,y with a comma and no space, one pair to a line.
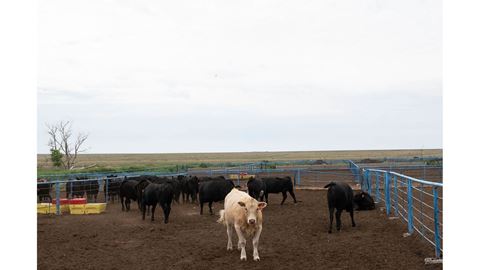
169,161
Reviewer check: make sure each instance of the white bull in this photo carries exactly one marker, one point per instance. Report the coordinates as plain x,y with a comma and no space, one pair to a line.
243,213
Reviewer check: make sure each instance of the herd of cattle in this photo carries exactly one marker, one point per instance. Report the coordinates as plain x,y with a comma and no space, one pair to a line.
242,210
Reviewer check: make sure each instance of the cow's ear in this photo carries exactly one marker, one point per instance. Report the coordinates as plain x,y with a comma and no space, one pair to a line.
261,205
242,204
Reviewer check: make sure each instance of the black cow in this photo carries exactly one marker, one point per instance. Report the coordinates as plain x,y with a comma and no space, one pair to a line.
114,183
43,191
81,186
363,201
157,193
279,184
128,193
340,196
182,180
75,188
213,190
141,185
256,188
210,178
92,187
191,188
172,181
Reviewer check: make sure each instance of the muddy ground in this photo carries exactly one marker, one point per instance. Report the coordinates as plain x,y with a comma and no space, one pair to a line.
294,237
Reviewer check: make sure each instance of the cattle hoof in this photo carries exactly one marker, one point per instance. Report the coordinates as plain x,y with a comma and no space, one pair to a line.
256,259
353,225
229,248
329,231
243,258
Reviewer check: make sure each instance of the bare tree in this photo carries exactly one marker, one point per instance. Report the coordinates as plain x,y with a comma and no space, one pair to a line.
60,139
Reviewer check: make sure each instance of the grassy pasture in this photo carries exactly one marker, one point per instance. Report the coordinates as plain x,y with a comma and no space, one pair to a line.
169,161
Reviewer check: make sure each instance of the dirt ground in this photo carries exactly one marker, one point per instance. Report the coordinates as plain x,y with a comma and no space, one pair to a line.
294,237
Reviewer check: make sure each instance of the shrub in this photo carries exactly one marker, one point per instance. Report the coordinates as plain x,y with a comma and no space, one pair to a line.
56,157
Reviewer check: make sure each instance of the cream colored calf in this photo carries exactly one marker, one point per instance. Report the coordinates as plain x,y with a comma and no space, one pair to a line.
243,213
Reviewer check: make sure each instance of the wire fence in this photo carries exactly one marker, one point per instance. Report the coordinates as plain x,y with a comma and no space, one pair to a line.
417,202
301,177
54,195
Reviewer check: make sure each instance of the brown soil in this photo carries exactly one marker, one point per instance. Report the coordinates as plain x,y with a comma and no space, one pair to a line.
294,237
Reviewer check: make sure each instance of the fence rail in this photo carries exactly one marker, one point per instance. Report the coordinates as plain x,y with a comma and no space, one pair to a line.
417,202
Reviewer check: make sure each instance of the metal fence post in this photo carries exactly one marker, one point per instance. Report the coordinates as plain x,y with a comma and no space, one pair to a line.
369,183
364,181
435,217
377,189
387,193
71,188
410,206
297,177
57,195
395,194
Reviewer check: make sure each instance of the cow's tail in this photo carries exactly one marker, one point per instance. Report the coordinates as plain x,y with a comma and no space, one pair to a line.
331,184
222,217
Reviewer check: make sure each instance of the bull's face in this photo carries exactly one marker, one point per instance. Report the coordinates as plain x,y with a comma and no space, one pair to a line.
252,208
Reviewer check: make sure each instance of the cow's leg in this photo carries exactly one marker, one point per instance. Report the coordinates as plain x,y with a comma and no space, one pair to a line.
177,198
210,208
144,209
166,212
284,194
241,243
201,208
338,214
266,197
351,216
127,204
331,209
353,221
148,210
230,235
256,239
121,200
293,195
153,212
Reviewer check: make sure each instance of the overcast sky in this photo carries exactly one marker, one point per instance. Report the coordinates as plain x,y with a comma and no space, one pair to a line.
215,76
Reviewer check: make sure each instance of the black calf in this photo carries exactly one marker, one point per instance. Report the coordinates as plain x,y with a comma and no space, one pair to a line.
340,196
256,188
279,184
161,194
363,201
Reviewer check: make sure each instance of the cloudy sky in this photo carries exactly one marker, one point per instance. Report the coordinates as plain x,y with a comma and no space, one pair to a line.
214,76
